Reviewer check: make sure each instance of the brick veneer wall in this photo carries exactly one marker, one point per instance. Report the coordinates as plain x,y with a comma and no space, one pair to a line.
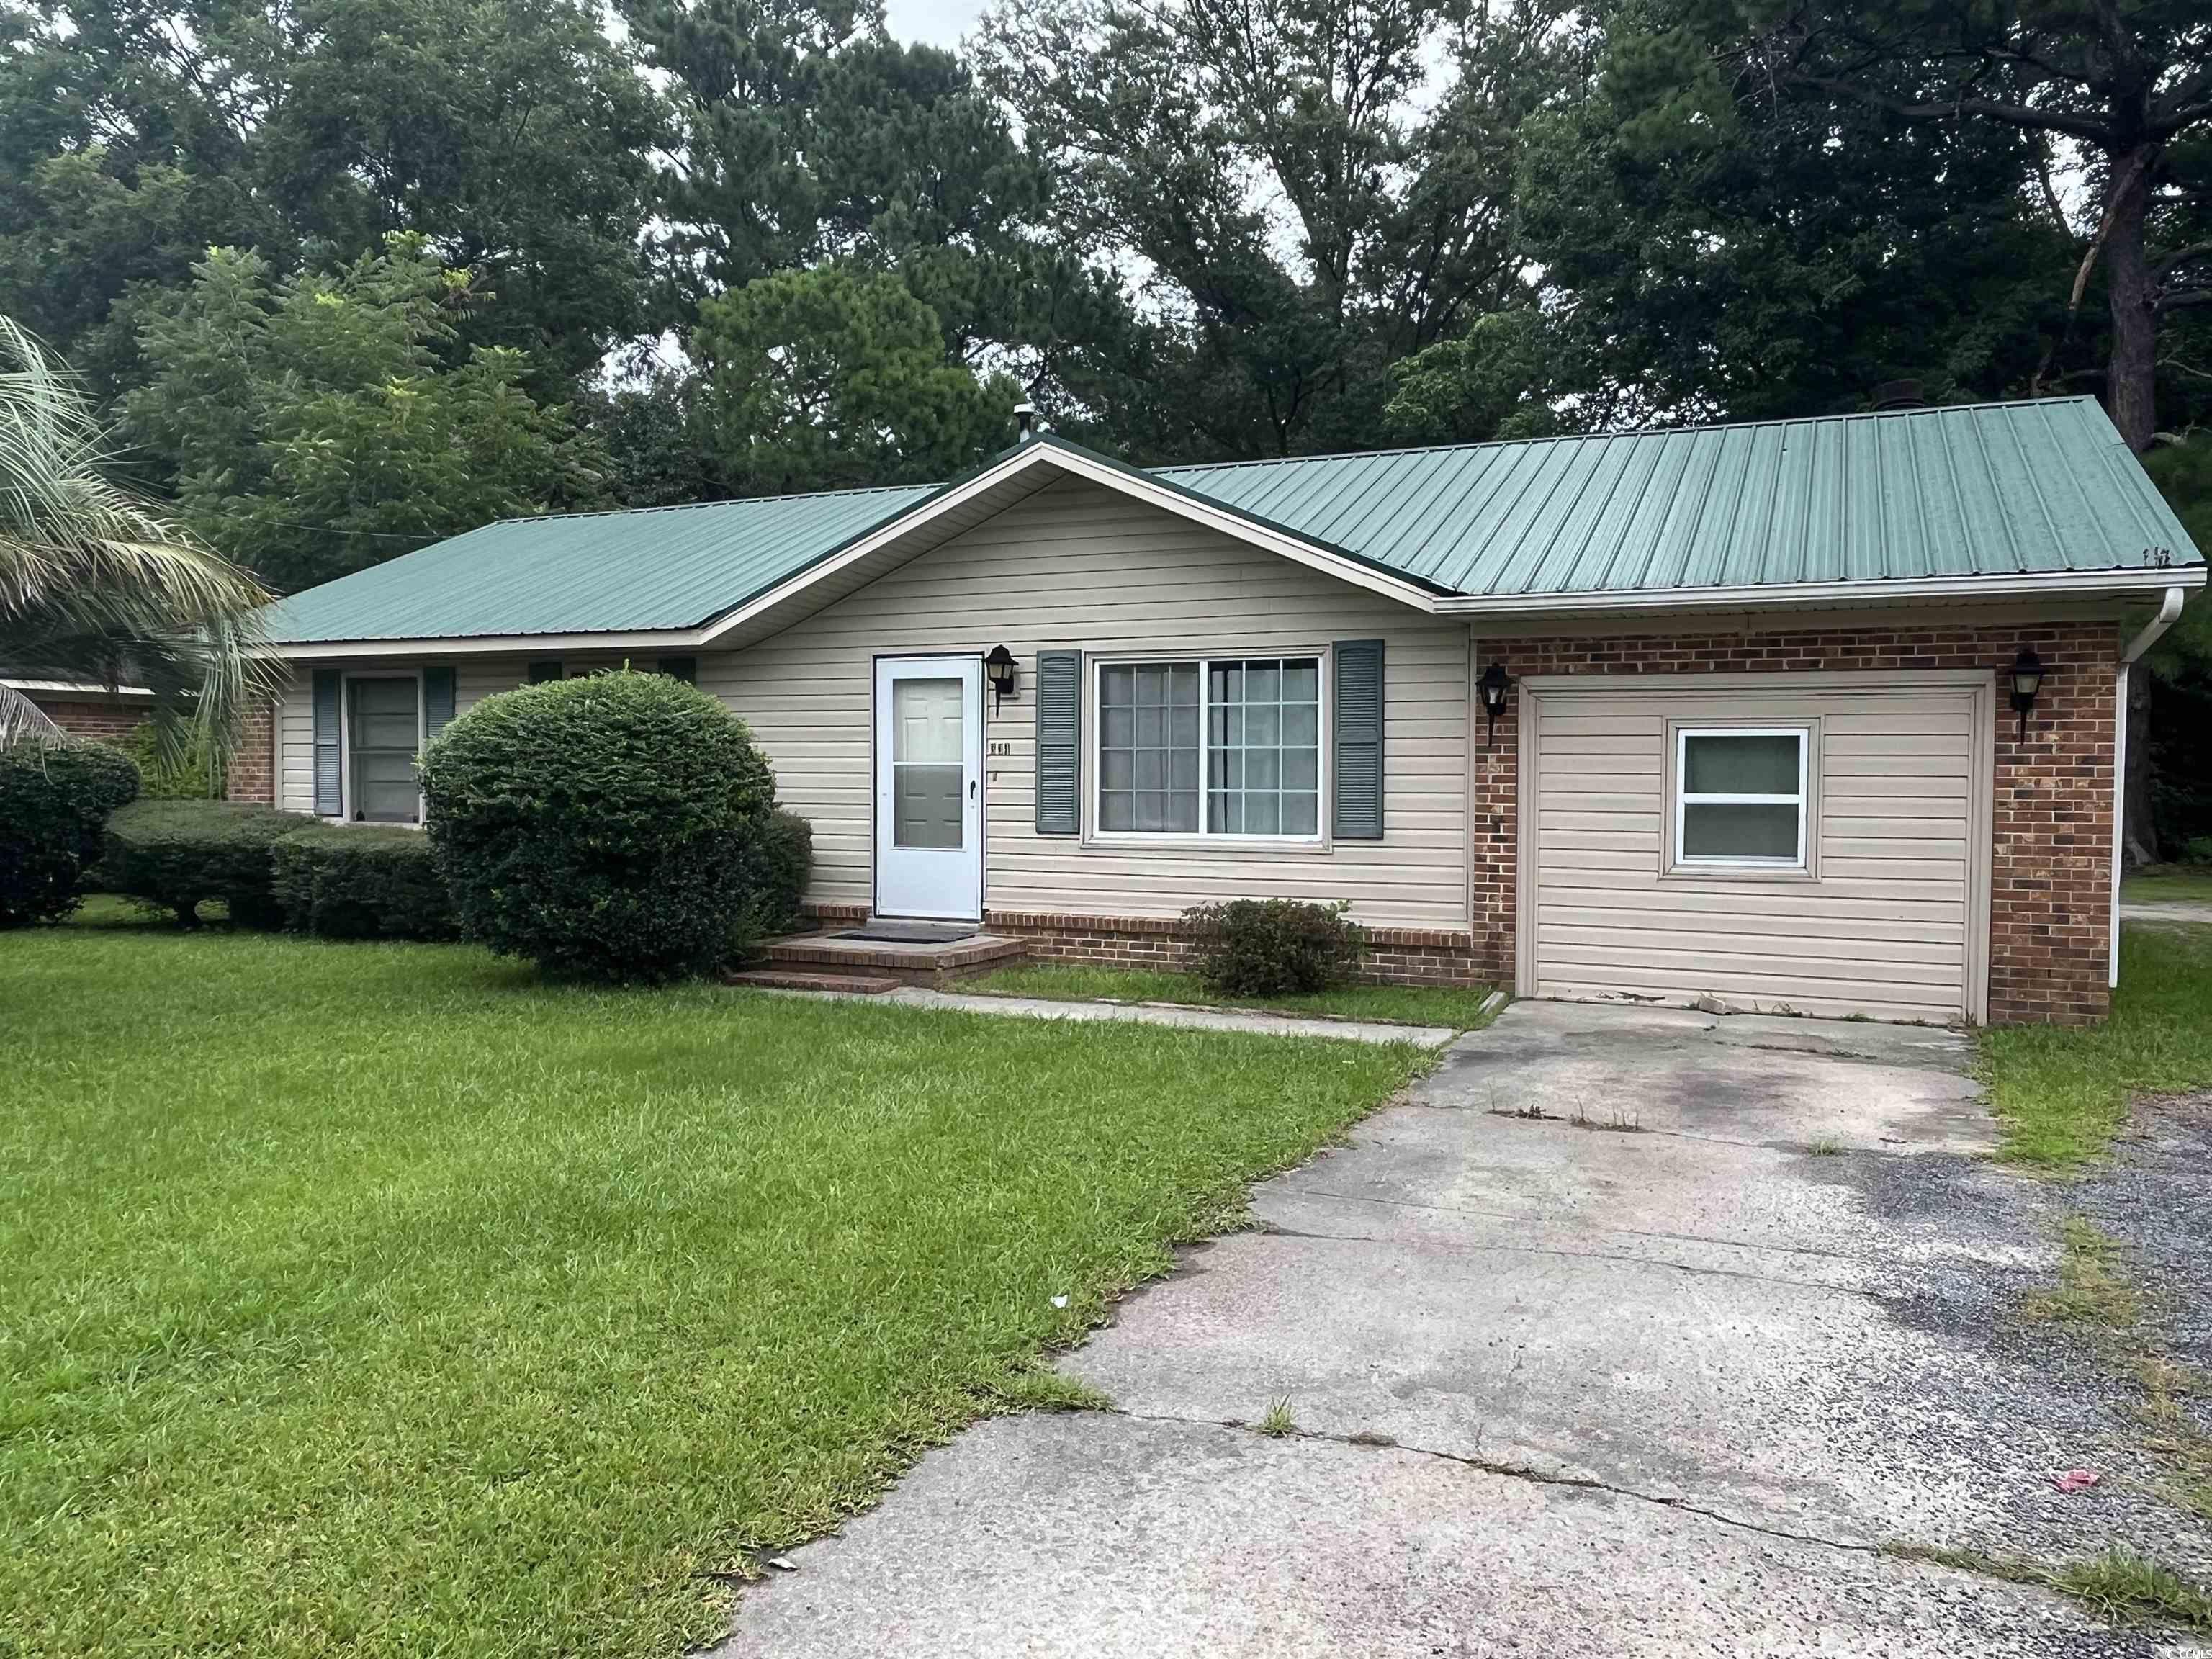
1395,956
109,722
2050,878
251,773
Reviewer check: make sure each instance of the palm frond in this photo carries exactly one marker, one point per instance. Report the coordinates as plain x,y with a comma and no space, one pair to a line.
22,721
96,582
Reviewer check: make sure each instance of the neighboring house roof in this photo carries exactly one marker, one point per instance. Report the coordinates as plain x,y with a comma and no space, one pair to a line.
2020,496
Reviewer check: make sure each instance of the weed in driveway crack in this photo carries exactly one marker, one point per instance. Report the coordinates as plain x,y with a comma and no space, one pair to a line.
2118,1585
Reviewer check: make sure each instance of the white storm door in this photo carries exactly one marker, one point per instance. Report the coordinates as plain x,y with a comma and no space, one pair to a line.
929,787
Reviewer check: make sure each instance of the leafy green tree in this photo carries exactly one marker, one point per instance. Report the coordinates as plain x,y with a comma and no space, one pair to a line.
2128,81
96,584
315,428
1710,255
833,377
135,134
1302,223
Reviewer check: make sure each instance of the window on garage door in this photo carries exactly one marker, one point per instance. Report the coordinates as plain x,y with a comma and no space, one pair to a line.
1740,796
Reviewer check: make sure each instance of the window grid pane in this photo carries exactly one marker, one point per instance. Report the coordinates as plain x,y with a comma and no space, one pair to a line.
1148,755
1742,796
1263,751
386,725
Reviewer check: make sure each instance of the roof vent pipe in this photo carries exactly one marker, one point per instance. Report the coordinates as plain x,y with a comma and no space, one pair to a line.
1025,417
1899,394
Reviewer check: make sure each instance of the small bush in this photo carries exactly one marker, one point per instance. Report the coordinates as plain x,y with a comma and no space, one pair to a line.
176,855
2197,849
1269,947
53,803
359,881
599,827
192,778
778,860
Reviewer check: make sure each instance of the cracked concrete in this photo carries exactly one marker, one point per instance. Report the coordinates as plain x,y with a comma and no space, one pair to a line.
1660,1391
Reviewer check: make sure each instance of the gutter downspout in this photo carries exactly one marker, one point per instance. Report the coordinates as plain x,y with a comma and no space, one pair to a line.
2168,610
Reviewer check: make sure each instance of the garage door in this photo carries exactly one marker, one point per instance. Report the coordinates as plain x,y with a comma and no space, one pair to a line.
1815,844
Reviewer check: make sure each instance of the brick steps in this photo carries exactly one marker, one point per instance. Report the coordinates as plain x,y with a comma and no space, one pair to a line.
788,979
936,965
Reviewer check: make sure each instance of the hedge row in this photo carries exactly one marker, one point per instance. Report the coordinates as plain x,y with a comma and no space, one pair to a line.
53,803
271,869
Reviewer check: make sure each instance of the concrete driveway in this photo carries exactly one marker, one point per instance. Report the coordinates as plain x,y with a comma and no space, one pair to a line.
1633,1332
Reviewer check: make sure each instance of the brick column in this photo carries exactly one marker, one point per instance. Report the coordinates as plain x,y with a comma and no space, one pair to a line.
250,776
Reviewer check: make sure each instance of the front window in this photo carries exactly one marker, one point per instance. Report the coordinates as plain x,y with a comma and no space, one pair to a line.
1211,746
382,734
1740,796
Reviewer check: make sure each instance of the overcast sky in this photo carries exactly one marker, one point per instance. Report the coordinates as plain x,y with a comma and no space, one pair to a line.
939,23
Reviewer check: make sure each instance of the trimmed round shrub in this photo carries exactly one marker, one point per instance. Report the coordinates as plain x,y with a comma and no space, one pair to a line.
359,881
599,827
1272,947
777,863
53,803
176,855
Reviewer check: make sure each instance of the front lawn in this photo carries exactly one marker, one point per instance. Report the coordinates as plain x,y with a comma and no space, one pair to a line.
377,1299
2168,884
1402,1004
2062,1092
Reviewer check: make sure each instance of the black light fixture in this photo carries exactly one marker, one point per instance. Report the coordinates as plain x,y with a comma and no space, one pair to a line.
1000,668
1495,686
2026,681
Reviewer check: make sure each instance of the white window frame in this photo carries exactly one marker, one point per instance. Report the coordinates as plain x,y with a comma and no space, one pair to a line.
1095,742
345,741
1683,800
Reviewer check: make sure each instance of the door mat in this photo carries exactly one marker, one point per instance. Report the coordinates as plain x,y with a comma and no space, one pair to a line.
910,933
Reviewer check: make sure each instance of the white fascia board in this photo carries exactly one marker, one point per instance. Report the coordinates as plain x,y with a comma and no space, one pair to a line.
2056,584
77,688
504,645
1112,477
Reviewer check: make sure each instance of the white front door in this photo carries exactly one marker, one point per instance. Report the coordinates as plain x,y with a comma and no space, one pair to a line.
929,787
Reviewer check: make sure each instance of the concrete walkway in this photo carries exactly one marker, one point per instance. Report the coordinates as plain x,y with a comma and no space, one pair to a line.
2177,911
1153,1013
1632,1333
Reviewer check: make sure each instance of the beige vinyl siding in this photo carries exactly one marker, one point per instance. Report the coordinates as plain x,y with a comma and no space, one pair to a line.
295,744
1886,921
1079,567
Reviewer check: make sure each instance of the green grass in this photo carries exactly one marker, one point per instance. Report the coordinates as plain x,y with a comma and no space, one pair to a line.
2118,1585
1403,1004
2168,884
377,1299
2094,1293
2061,1092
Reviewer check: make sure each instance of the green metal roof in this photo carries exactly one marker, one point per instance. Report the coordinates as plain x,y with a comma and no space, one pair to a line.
1990,489
639,571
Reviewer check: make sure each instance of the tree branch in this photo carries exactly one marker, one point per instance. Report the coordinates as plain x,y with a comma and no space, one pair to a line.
1994,109
2115,191
2194,252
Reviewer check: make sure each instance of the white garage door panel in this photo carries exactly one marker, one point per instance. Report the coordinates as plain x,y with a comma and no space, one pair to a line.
1886,925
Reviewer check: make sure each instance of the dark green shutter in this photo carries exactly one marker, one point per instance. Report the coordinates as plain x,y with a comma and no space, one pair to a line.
680,668
1358,815
328,715
1060,742
437,700
540,672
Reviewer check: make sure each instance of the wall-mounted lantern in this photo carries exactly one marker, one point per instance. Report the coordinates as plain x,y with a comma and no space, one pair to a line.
1002,670
2026,681
1495,686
